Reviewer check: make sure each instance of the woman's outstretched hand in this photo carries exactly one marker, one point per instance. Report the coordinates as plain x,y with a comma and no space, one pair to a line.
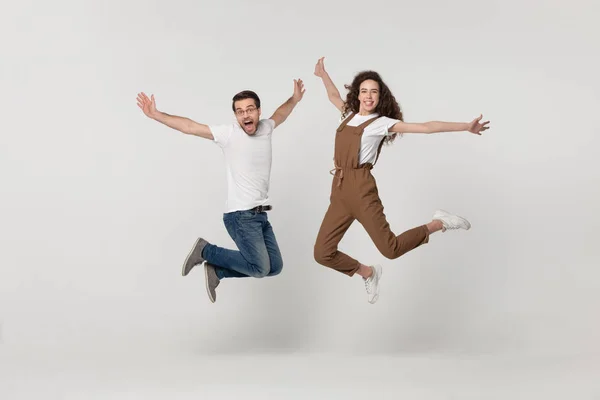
476,127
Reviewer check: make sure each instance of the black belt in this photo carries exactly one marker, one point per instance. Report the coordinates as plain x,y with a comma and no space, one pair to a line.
260,209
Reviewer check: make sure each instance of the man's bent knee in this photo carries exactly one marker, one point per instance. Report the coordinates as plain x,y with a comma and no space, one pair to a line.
276,268
259,270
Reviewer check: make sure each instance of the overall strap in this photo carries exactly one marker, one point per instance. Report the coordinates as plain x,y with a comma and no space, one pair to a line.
379,150
345,122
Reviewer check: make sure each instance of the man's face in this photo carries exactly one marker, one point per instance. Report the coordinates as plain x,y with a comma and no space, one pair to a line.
247,115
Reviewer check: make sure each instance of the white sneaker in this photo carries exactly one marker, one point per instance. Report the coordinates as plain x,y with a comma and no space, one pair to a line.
451,221
372,284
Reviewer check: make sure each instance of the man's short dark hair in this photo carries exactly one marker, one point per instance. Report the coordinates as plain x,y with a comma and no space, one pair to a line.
246,94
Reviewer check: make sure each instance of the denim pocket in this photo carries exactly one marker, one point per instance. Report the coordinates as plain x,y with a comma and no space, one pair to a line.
245,215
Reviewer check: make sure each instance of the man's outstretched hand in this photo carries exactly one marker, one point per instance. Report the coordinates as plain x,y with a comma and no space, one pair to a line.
147,104
298,90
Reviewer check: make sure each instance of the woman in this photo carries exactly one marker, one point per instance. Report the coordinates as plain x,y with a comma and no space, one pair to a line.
371,116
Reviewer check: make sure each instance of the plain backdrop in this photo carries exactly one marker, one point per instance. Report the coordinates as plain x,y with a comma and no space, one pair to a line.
100,205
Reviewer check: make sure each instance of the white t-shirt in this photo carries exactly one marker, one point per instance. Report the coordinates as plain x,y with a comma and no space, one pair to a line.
248,163
372,135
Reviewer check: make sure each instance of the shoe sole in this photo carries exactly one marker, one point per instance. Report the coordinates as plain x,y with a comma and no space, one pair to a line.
206,282
183,273
466,223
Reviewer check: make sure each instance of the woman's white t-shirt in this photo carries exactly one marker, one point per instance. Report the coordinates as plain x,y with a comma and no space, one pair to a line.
372,136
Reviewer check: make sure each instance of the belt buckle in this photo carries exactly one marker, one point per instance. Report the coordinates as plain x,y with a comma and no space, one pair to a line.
262,208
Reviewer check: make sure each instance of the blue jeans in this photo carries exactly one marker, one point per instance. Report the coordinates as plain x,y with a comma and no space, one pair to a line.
258,255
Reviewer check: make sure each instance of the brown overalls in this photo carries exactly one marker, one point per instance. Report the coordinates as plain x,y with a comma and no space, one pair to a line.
354,195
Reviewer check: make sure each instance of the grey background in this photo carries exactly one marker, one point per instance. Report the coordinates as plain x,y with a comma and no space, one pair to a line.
100,205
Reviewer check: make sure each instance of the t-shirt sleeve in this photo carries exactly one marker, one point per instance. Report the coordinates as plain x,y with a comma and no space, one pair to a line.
386,125
268,126
221,133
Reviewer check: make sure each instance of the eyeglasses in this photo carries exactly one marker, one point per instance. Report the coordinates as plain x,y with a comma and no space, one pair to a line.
249,110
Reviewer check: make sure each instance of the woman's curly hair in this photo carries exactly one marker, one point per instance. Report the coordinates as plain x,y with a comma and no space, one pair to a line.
387,107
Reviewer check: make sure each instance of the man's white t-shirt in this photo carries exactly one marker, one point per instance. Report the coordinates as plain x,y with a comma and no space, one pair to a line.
372,136
248,163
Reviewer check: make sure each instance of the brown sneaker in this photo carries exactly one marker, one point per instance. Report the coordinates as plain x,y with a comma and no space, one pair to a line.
195,256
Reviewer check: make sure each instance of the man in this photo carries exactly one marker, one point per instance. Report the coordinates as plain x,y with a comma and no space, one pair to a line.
246,145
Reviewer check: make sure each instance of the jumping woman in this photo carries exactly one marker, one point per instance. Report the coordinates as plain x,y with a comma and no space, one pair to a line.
371,116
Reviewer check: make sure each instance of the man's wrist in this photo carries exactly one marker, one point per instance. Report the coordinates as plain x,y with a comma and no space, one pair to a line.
156,115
